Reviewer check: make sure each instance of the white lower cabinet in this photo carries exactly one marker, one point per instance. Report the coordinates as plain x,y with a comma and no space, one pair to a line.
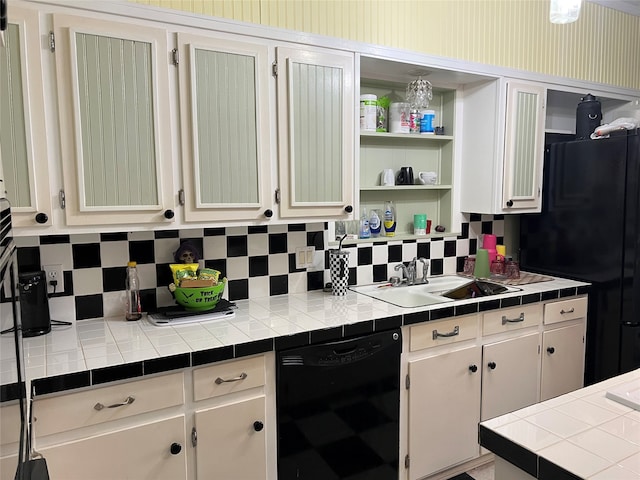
444,410
9,438
232,426
467,369
563,347
562,361
133,429
210,422
510,375
153,451
231,442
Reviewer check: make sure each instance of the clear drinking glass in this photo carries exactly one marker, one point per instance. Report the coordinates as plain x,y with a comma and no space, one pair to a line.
512,270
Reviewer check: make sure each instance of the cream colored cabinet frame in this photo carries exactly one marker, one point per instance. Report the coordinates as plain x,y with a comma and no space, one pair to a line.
316,131
227,173
524,146
232,440
502,147
510,374
128,144
444,410
150,451
23,136
431,153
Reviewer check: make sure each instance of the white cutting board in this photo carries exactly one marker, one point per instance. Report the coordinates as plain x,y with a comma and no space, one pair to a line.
626,393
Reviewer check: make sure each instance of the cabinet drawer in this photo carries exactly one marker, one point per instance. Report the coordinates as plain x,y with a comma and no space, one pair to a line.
510,319
565,310
223,378
98,405
443,332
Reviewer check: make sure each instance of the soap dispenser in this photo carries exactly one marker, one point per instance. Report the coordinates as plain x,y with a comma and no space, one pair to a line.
365,231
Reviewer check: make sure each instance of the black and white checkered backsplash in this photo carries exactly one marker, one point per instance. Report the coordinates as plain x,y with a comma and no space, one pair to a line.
257,261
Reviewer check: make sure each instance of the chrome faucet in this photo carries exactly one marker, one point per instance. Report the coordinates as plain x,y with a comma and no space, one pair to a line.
410,271
425,269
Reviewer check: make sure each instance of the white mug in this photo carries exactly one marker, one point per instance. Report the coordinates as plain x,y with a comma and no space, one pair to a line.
428,178
387,178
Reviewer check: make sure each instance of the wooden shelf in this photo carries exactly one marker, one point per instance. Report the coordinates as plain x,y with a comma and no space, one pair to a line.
406,187
412,136
399,237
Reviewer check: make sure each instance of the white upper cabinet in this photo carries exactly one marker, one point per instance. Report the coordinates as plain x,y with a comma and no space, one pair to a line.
23,134
114,112
316,131
226,142
524,147
503,147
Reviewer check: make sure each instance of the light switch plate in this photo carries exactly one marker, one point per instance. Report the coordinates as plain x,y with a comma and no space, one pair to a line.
304,257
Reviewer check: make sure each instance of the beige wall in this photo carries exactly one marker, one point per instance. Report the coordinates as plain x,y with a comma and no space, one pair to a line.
603,46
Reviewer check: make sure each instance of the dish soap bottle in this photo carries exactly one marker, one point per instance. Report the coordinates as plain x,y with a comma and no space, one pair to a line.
389,219
375,223
365,232
132,289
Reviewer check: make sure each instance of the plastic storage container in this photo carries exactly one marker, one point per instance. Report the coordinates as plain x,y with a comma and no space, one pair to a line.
427,120
368,109
399,117
132,286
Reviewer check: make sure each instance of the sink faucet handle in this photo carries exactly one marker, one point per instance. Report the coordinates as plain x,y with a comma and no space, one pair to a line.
403,267
425,269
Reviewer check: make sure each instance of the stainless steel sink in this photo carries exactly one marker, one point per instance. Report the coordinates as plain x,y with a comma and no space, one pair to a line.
421,295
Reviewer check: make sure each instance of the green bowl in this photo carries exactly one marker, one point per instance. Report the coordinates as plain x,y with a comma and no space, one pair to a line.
200,299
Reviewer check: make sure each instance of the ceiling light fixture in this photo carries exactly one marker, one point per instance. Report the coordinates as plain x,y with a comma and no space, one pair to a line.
419,93
564,11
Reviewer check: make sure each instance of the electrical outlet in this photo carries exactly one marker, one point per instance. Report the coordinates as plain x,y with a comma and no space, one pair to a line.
53,274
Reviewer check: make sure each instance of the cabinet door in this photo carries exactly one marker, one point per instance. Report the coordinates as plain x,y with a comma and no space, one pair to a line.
316,132
224,100
524,146
23,136
231,441
444,410
510,375
147,452
562,361
113,96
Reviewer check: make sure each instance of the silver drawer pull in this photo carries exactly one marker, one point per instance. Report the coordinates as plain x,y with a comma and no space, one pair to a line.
456,331
506,320
571,310
242,376
127,401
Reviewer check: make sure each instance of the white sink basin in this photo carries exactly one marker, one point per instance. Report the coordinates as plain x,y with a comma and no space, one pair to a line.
406,296
417,295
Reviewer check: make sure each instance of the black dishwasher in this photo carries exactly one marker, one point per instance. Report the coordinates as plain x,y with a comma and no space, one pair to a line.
338,407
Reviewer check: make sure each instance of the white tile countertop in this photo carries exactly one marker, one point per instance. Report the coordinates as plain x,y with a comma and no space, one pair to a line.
268,323
582,433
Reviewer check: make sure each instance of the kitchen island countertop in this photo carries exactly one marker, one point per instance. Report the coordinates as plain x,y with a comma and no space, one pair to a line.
100,350
579,435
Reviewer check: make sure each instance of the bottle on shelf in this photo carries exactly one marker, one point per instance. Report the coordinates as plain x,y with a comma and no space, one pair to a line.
375,223
389,219
132,290
365,231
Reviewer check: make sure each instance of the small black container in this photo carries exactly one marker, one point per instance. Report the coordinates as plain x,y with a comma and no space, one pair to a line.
405,176
34,303
588,116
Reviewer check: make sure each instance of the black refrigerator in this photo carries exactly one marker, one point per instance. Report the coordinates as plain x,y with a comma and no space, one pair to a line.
589,230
